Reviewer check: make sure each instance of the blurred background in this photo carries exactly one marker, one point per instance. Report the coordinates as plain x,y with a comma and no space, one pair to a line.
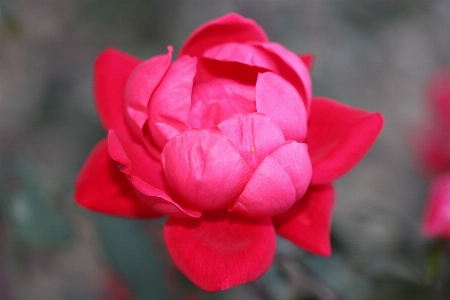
376,55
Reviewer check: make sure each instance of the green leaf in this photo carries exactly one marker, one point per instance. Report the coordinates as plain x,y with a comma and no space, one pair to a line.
9,19
340,276
129,249
35,223
30,217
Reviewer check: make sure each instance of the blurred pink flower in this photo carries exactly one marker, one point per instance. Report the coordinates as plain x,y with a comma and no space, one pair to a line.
115,288
432,146
436,222
432,141
228,142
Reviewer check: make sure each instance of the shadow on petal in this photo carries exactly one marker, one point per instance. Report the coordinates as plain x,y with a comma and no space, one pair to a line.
147,177
307,224
102,187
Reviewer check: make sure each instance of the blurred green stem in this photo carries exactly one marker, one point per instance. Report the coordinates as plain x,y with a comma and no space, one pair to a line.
444,278
5,289
8,19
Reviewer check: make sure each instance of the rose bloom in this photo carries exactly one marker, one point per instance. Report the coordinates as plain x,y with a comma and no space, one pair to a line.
431,142
436,220
228,142
432,147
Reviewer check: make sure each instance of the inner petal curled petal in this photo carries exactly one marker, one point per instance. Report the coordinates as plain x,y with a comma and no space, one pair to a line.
140,86
169,105
278,182
278,99
254,136
204,168
218,99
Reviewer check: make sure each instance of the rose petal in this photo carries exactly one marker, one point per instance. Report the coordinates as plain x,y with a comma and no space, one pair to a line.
101,187
140,86
307,224
278,182
338,137
209,69
111,71
278,99
308,60
268,56
436,221
229,28
254,136
220,250
161,202
247,54
438,92
293,69
147,177
171,102
240,62
204,168
134,160
430,145
216,100
117,153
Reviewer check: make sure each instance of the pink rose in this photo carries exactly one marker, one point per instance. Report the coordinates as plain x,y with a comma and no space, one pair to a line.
436,221
431,142
228,142
432,146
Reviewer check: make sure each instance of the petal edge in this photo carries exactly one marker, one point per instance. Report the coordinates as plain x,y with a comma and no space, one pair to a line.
102,187
229,28
338,137
220,249
111,71
307,224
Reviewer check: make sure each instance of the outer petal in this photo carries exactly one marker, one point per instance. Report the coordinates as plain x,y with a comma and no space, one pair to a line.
111,71
229,28
254,136
338,137
204,168
147,177
221,250
101,187
278,99
134,160
219,99
140,86
171,102
436,221
278,182
307,224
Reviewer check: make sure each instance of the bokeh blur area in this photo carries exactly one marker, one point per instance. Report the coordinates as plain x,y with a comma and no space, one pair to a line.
375,55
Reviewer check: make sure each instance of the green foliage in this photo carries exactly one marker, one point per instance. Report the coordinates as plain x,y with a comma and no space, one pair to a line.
128,247
9,20
30,216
